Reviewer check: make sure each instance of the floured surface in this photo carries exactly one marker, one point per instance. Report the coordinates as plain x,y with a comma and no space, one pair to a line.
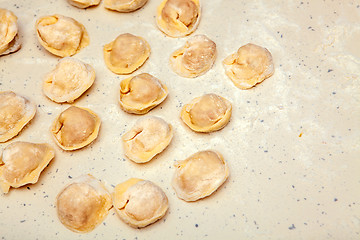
292,143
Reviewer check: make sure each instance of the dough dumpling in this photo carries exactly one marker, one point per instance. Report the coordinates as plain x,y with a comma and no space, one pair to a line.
21,163
147,138
250,65
139,202
126,53
60,35
9,38
207,113
178,18
199,175
141,93
68,81
195,58
75,128
83,204
84,3
124,5
15,112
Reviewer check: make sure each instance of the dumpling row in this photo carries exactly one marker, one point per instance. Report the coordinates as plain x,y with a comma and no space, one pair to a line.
85,202
116,5
64,36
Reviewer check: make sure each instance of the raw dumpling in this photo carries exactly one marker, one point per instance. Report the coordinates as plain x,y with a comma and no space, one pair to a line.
126,53
60,35
199,175
9,39
148,137
250,65
141,93
207,113
15,112
124,5
195,58
68,81
75,128
178,18
21,163
84,3
139,202
83,204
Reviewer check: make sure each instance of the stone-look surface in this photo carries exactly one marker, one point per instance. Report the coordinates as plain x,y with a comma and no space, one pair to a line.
292,143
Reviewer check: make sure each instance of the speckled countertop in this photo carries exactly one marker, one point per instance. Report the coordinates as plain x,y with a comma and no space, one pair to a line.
293,142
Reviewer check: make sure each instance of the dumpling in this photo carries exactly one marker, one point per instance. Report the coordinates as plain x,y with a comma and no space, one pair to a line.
195,58
250,65
124,5
199,175
83,204
75,128
207,113
141,93
22,162
68,81
15,112
84,3
139,202
148,137
178,18
126,53
60,35
9,39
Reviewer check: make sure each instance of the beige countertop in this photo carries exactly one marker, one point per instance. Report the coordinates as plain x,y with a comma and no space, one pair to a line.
292,144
